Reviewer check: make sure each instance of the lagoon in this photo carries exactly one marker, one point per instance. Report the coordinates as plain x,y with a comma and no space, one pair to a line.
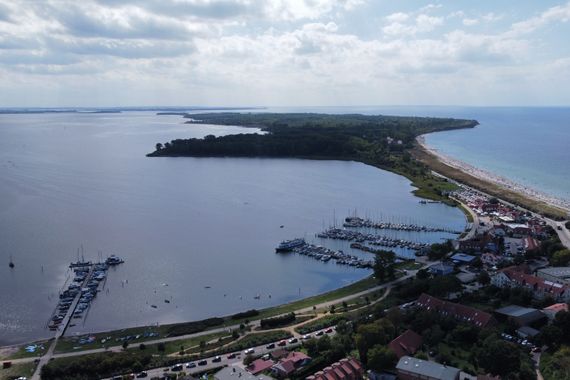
199,232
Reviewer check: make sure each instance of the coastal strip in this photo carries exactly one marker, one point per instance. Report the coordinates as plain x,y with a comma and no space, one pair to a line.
490,183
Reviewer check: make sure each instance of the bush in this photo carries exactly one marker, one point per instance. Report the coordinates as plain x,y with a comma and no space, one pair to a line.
270,323
245,314
193,327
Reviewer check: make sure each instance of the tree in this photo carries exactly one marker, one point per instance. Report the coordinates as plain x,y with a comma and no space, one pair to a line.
381,331
248,359
384,265
311,347
499,357
161,348
125,345
422,274
438,250
483,278
381,358
560,258
562,321
142,347
324,344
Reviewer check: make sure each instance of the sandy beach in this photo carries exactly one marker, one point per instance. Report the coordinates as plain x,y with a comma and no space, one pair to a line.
496,179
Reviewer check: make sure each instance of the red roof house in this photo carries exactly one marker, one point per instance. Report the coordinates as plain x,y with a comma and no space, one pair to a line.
460,312
406,344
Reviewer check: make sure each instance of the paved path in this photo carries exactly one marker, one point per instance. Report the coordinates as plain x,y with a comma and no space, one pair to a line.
50,353
474,225
258,350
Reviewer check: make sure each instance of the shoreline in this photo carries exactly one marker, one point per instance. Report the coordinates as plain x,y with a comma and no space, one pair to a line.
487,176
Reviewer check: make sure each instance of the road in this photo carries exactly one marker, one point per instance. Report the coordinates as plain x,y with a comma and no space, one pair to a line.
324,305
475,224
261,350
563,232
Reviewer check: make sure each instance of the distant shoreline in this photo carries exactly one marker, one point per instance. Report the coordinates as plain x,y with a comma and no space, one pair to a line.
495,179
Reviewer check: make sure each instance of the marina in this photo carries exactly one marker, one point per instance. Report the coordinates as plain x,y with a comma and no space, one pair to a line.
357,222
75,301
325,255
378,240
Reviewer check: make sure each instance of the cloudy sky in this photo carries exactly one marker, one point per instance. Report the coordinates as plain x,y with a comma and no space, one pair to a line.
284,52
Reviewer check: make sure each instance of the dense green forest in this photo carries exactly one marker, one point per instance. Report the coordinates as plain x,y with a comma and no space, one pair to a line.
382,141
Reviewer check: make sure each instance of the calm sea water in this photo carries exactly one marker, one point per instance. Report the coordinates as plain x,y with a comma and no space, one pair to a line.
528,145
181,224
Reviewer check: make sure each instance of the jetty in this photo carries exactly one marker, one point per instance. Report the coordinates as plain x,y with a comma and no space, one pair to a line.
359,237
357,222
324,254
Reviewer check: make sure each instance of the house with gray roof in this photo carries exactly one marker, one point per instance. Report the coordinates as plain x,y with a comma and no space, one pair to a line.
416,369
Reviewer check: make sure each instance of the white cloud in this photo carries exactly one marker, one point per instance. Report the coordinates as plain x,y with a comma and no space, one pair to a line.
397,17
254,51
554,14
470,21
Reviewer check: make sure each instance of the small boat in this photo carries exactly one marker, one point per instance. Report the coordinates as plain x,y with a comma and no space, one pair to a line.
154,306
166,301
114,260
11,264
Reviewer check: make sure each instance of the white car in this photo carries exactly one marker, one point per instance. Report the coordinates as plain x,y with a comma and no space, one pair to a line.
249,351
306,336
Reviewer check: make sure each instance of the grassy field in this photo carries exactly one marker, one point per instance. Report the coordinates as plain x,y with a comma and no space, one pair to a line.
22,353
321,323
115,338
109,339
17,370
534,205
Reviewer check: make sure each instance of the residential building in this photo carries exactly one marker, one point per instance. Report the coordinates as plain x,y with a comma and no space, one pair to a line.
235,373
259,365
462,258
406,344
345,369
539,287
289,364
441,269
555,274
522,316
460,312
416,369
552,310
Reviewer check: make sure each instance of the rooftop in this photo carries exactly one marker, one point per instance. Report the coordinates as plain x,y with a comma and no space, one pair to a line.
562,272
406,344
235,373
463,257
515,311
426,368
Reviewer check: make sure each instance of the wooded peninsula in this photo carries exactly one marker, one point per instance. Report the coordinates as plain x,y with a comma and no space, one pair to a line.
381,141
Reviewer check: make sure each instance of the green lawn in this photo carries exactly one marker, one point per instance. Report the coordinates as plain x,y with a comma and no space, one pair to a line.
42,347
114,338
17,370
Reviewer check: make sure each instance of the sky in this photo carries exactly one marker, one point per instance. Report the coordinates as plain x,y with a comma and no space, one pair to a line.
284,53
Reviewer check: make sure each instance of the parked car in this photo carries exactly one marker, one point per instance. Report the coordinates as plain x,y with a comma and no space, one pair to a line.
249,351
329,330
190,365
319,333
141,375
233,355
270,346
177,367
217,359
203,362
306,336
293,340
282,343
